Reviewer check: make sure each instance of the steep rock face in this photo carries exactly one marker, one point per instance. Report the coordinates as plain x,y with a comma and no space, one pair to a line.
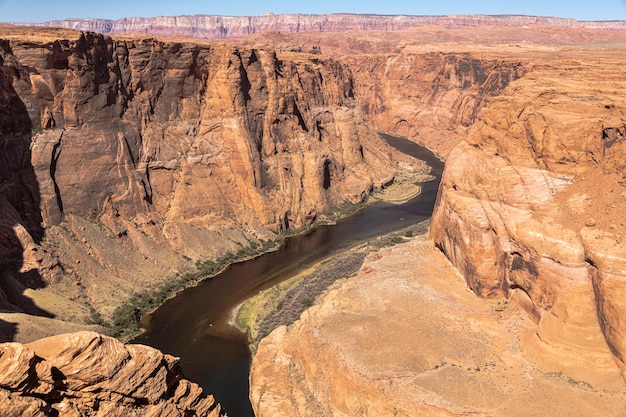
433,97
211,27
19,194
88,374
150,155
404,337
531,208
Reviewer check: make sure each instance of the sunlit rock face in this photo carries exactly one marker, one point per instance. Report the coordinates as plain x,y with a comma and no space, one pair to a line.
530,216
531,208
431,97
140,157
88,374
404,337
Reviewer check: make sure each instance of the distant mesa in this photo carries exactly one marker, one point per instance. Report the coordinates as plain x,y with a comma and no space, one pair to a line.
220,27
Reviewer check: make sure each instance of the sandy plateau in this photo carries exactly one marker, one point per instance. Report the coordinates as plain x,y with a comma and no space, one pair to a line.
406,337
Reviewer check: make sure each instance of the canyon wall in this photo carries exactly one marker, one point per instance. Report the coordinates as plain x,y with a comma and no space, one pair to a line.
213,27
428,85
86,374
404,337
145,157
141,157
531,208
530,215
430,97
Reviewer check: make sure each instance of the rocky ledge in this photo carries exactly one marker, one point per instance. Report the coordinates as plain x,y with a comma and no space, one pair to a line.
128,163
531,208
405,337
87,374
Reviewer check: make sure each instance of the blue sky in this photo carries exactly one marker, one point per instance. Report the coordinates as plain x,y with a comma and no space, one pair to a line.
41,10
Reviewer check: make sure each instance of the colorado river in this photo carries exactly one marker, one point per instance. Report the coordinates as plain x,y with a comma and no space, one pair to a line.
196,324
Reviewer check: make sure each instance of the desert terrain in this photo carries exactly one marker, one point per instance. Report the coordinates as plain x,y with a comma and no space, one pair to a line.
132,165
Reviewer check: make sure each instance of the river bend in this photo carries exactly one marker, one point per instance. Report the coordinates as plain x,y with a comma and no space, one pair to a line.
196,324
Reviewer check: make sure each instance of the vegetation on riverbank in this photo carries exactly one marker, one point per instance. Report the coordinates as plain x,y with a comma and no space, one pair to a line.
126,320
284,303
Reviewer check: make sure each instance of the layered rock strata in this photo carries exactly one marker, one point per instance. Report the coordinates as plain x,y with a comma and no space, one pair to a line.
212,27
431,97
404,337
141,157
86,374
531,209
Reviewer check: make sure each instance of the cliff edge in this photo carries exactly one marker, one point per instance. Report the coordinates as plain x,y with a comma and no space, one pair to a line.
141,159
87,374
220,27
531,209
405,337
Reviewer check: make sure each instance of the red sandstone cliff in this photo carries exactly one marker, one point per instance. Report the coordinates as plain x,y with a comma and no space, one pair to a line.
432,98
405,338
152,153
121,146
530,212
140,157
531,208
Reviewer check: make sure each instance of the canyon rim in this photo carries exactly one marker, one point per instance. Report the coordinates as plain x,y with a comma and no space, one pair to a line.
130,161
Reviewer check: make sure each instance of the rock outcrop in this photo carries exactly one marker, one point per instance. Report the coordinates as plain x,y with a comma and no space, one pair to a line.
531,209
430,97
141,157
87,374
404,337
530,212
214,27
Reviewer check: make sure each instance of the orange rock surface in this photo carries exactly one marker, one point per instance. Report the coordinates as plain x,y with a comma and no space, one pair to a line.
211,26
128,159
531,208
86,374
530,213
405,337
140,157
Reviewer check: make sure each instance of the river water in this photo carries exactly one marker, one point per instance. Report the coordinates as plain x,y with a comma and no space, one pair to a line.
196,324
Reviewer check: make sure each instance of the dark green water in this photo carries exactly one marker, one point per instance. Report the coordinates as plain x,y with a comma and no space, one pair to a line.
195,325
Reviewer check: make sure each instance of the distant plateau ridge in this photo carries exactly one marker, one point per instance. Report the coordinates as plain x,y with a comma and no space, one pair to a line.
216,27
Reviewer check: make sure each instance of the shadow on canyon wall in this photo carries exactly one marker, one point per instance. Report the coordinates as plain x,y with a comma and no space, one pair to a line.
20,215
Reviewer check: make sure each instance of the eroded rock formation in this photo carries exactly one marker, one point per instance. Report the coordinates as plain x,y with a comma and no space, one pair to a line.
146,156
87,374
530,213
404,337
430,97
531,208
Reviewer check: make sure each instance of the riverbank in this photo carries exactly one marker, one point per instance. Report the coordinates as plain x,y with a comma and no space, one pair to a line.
200,320
404,336
283,304
132,318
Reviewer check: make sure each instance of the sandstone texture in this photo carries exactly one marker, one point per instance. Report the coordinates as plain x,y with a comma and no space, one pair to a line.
430,97
212,27
86,374
141,157
405,337
531,208
431,83
530,214
127,160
